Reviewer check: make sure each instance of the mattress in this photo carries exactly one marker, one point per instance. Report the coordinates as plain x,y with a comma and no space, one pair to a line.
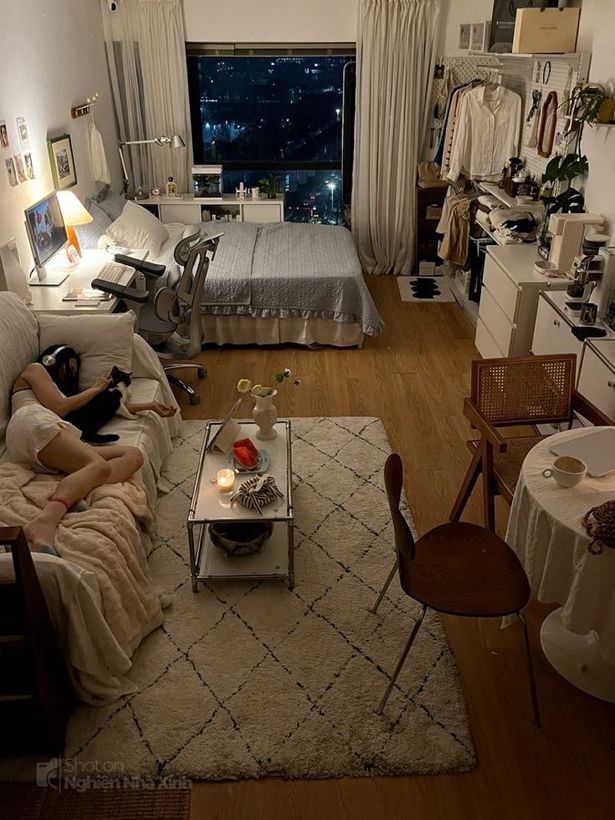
284,271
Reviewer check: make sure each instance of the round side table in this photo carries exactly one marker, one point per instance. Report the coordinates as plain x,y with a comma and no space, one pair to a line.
546,532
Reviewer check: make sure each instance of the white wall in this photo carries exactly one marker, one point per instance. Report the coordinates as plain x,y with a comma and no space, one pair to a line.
53,58
271,21
597,36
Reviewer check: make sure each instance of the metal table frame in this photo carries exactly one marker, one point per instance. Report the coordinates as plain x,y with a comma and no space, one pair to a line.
197,527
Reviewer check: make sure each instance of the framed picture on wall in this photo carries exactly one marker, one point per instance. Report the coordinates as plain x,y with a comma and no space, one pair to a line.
479,37
465,32
62,162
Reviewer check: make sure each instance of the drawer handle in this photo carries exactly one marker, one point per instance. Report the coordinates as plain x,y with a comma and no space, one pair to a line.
611,383
556,322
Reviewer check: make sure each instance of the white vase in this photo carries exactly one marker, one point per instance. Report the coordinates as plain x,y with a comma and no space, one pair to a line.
265,415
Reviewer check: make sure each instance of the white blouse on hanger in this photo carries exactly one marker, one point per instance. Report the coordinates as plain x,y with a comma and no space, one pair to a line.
486,133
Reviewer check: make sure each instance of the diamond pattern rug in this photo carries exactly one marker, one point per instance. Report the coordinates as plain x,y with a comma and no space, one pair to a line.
249,679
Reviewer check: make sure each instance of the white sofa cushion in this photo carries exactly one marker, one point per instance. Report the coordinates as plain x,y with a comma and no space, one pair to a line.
136,227
100,340
18,347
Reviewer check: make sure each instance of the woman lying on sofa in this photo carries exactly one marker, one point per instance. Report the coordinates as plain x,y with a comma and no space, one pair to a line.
38,434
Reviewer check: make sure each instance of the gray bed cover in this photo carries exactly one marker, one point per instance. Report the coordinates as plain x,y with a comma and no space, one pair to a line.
289,270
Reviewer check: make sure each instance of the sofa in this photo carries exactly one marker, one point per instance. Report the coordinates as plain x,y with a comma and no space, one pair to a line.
98,590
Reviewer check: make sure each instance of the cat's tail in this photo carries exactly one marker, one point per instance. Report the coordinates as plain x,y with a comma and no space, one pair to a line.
95,438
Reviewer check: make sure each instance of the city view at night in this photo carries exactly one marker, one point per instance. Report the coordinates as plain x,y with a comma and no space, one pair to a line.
276,115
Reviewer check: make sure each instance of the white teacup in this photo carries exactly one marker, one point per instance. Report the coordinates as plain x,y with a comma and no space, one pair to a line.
567,471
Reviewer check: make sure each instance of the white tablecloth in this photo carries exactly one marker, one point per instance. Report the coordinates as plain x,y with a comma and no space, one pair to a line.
545,531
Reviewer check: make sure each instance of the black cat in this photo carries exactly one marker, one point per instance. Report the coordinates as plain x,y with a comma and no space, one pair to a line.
101,409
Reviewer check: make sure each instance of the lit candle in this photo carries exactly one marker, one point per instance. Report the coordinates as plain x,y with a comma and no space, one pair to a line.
225,480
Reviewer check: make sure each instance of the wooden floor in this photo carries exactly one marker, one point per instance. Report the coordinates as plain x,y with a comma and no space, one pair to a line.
415,377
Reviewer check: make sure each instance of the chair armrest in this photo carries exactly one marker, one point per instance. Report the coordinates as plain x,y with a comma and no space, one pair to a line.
149,269
478,421
589,411
131,294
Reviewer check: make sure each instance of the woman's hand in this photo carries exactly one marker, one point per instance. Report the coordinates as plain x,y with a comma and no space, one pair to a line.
101,384
165,411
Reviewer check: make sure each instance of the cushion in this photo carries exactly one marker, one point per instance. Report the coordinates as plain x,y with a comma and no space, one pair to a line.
19,346
136,227
101,341
90,234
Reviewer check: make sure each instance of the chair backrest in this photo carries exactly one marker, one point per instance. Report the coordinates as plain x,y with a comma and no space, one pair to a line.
394,482
524,390
190,287
180,304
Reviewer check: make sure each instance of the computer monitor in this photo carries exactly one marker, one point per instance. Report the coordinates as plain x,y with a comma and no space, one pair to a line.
47,234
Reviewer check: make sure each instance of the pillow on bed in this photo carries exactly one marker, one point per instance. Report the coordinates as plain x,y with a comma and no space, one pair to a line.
111,204
136,227
100,341
90,234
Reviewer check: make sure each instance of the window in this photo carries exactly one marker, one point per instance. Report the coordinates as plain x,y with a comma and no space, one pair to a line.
282,114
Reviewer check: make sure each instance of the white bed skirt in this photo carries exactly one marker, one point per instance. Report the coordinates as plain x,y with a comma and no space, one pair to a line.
246,330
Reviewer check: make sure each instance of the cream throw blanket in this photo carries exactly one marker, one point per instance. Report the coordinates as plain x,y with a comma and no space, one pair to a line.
105,545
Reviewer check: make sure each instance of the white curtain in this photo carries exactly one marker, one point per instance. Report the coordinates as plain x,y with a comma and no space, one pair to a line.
396,49
146,53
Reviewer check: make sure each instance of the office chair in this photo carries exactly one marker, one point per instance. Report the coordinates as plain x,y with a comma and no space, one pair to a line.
168,316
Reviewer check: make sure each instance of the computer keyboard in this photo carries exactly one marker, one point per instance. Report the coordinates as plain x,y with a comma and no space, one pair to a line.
116,273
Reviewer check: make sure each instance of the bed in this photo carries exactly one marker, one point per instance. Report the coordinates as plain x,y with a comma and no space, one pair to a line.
269,283
283,283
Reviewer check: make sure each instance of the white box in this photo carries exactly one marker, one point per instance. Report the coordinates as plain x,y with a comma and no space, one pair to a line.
546,31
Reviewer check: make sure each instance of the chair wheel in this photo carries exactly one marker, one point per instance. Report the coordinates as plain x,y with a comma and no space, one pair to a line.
201,372
194,399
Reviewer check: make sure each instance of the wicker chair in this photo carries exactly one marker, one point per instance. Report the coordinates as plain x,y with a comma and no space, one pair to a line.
513,393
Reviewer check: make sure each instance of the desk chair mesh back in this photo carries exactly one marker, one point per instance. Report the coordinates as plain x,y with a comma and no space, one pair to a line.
176,313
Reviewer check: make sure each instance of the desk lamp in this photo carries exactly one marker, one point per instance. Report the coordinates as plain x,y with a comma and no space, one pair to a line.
73,213
174,142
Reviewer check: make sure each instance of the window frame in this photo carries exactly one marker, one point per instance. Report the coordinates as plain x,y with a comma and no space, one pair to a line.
262,50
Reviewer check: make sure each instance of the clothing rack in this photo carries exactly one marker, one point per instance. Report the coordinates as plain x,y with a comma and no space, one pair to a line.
523,74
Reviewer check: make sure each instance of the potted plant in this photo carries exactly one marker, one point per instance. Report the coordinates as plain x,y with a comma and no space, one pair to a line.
591,104
271,185
557,198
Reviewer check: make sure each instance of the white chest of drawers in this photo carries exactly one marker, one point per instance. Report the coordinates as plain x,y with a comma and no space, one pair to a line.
597,379
509,301
553,331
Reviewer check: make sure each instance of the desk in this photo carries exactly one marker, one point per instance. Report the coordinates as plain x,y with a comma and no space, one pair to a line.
49,299
545,531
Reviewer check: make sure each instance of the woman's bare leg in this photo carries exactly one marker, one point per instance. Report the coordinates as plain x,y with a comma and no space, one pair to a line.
87,468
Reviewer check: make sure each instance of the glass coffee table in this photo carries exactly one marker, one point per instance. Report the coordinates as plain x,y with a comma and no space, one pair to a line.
208,506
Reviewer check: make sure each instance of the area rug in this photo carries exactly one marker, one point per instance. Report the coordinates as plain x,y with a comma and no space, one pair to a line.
424,289
249,680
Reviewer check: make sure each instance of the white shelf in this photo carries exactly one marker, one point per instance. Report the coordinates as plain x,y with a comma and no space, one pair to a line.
270,562
500,193
471,308
574,55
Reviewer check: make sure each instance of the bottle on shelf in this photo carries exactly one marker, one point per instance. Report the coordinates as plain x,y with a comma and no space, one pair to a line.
171,187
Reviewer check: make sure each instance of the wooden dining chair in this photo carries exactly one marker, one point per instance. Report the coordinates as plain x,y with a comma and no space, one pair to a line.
457,569
522,392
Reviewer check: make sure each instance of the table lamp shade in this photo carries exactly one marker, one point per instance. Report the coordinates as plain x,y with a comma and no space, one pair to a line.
74,213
